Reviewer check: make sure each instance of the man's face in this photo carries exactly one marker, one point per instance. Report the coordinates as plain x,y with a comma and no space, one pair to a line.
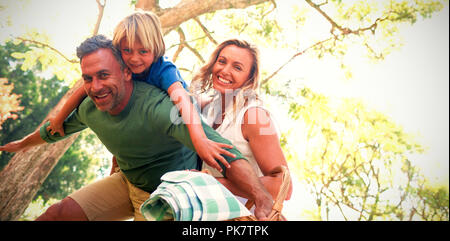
104,81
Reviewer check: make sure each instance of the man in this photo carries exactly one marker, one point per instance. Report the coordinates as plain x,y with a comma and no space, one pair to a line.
132,119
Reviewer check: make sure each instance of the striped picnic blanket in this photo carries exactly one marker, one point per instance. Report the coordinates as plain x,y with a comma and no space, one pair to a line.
191,196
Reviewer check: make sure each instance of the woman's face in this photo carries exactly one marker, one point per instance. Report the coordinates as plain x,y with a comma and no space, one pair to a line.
231,69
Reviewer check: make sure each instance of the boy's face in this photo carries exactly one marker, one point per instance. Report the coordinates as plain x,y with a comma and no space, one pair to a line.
138,58
104,81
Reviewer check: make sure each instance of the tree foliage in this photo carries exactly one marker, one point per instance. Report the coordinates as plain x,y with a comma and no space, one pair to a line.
38,95
357,163
9,102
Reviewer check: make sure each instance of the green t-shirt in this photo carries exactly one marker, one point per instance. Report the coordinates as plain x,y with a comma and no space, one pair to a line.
143,138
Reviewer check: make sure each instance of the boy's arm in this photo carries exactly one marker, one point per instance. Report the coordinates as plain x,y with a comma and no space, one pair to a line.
208,150
41,135
164,120
25,143
56,122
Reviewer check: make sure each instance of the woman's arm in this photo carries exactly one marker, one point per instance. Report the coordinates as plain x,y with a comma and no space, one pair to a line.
259,130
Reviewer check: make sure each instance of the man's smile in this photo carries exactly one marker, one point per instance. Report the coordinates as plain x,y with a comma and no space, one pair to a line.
102,97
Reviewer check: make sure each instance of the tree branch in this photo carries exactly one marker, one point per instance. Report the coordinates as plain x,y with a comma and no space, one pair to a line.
149,5
344,32
271,10
324,3
185,69
180,43
332,22
74,61
194,51
101,8
293,57
205,30
188,9
180,47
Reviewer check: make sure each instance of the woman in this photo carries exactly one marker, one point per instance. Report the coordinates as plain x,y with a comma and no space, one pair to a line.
236,112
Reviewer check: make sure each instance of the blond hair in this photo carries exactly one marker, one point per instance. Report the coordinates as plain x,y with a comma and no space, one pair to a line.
143,26
202,80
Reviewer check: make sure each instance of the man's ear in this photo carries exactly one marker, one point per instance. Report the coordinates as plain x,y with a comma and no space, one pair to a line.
127,74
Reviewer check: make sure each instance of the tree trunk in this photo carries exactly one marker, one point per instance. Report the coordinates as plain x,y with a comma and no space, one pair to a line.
26,171
22,177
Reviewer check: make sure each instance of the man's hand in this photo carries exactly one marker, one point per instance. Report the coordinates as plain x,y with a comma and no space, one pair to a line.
242,176
263,206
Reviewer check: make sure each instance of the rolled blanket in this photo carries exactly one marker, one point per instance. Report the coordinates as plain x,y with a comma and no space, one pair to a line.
192,196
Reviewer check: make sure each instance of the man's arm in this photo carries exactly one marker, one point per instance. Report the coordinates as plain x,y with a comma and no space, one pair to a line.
272,183
241,174
25,143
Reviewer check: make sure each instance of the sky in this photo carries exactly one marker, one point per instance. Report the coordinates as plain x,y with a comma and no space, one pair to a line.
411,85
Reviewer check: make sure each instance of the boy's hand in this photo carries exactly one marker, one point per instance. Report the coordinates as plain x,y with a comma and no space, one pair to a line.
14,146
55,126
113,166
210,151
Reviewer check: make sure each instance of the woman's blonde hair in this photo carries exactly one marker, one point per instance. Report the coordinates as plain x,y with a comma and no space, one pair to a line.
143,26
202,80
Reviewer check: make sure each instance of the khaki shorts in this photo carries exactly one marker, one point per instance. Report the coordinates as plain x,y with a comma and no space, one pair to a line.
111,198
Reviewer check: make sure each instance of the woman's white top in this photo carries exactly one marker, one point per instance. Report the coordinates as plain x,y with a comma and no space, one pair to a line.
231,129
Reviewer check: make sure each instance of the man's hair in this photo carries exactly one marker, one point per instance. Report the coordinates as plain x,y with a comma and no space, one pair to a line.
99,42
143,26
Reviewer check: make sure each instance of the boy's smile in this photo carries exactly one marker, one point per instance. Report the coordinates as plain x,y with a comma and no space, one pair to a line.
136,56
